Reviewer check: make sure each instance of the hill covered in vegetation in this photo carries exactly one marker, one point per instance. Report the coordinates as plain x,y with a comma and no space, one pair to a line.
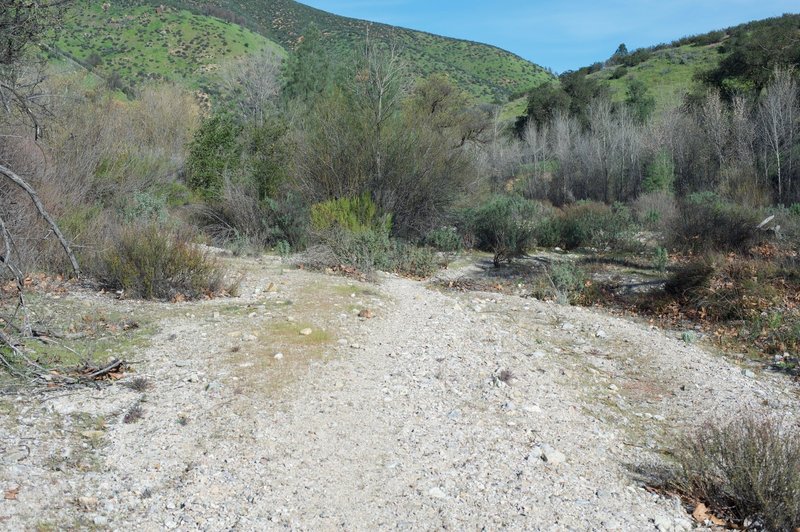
128,44
735,60
188,39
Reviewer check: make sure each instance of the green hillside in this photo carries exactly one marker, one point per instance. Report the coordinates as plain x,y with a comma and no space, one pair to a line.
487,72
668,73
736,59
132,44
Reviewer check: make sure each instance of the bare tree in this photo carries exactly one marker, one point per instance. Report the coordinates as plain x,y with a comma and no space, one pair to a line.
254,82
778,123
380,84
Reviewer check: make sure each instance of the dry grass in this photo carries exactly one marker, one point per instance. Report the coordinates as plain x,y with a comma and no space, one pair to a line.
747,470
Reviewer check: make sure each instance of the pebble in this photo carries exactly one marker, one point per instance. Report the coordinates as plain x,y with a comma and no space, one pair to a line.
278,356
306,332
663,523
600,333
547,453
748,373
437,493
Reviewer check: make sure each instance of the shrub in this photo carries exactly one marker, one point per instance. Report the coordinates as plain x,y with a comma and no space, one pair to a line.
504,225
655,210
660,259
748,469
707,221
589,224
214,151
239,216
148,263
660,174
356,215
415,261
725,288
445,239
688,278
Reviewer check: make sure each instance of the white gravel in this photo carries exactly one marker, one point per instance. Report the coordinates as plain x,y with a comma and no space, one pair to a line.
445,410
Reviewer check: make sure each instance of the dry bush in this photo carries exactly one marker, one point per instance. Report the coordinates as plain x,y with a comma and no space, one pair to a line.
655,210
98,158
747,470
708,222
149,263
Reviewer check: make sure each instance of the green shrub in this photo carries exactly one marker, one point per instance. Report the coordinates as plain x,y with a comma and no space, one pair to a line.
748,469
660,174
415,261
708,222
445,239
504,225
214,151
660,259
589,224
145,206
148,263
356,215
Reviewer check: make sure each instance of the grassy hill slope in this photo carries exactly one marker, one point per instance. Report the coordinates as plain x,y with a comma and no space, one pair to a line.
739,58
487,72
136,43
668,73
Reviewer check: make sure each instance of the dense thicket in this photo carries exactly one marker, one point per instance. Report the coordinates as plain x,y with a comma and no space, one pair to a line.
745,148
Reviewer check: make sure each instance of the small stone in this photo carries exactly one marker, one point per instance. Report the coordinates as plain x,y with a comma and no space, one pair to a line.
87,503
342,341
455,414
216,315
306,332
552,456
278,356
100,520
355,346
437,493
252,315
749,374
567,326
249,338
613,387
366,314
537,354
600,333
663,523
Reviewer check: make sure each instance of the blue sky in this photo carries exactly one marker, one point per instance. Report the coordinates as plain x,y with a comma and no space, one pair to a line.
561,35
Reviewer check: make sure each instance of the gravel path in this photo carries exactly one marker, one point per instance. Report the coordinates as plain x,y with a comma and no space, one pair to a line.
444,410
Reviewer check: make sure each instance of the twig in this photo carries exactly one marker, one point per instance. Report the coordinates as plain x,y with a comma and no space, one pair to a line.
116,364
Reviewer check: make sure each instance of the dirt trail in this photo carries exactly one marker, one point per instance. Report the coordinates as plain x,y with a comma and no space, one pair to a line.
444,410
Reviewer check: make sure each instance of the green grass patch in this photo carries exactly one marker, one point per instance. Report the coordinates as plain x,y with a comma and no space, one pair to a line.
139,45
